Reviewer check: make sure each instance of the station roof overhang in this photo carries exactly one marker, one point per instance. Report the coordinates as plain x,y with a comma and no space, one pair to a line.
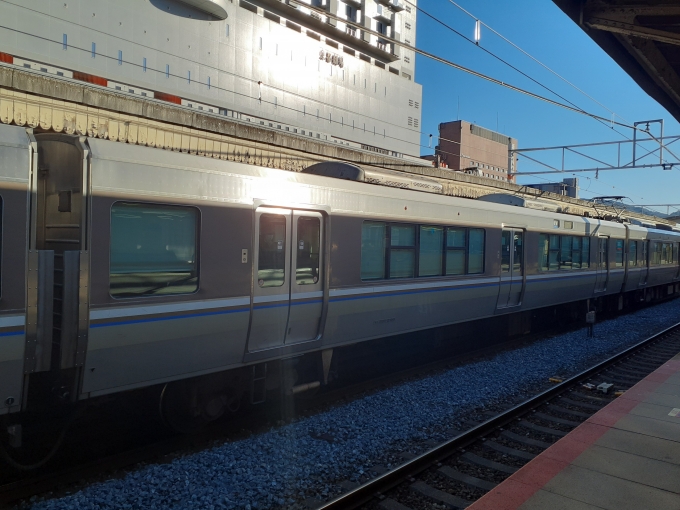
643,37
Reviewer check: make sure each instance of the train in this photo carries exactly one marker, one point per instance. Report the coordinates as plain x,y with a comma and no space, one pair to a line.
124,267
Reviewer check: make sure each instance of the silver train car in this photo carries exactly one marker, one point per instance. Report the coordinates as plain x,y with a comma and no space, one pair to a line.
124,266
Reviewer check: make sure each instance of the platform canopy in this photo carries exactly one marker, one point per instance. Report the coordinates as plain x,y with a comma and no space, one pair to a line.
643,37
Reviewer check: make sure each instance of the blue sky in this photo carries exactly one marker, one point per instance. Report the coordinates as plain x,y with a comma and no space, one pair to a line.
540,28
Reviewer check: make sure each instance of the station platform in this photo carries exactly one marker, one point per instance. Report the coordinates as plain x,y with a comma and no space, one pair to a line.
626,456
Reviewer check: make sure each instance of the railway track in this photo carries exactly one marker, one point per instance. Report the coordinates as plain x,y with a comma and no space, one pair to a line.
456,473
73,476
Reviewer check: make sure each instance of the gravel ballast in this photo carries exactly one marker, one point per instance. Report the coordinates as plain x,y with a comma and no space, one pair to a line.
286,466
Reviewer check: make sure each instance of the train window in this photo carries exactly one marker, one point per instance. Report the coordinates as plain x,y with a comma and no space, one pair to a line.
373,237
476,251
632,253
585,252
430,251
402,251
645,249
675,249
565,254
308,239
576,253
655,254
153,250
618,256
666,253
455,251
271,265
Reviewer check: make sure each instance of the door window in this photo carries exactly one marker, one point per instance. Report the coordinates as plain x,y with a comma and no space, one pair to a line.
505,251
518,255
308,239
271,267
603,254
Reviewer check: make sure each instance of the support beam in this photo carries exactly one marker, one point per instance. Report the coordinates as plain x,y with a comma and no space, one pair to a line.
620,27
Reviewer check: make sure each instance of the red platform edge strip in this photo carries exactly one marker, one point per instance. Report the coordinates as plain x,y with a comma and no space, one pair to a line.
518,488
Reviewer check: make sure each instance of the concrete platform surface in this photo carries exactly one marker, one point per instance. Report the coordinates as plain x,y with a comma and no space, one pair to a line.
624,457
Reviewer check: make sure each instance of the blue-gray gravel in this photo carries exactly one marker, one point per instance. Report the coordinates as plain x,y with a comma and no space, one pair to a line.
285,466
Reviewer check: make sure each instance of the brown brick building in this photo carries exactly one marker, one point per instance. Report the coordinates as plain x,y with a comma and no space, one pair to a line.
474,149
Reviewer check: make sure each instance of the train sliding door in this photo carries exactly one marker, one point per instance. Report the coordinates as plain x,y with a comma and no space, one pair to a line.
512,268
602,264
288,281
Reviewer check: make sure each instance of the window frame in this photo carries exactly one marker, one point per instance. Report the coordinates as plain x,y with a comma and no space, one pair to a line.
198,237
416,249
556,245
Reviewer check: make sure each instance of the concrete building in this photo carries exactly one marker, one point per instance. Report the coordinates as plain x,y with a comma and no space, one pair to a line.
567,188
325,69
473,149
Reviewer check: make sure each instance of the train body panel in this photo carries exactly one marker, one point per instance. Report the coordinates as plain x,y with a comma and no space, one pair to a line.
16,160
175,265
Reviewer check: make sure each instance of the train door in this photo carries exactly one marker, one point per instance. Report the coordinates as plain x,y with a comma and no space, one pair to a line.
512,268
288,280
676,260
644,272
602,264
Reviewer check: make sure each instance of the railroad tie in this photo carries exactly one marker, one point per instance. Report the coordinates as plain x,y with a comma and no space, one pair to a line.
509,451
390,504
472,481
481,461
589,396
563,410
542,430
584,405
555,419
441,496
525,440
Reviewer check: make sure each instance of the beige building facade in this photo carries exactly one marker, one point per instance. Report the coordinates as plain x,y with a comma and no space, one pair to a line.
476,150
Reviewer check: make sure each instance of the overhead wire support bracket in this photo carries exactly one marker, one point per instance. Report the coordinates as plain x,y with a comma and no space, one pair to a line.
660,139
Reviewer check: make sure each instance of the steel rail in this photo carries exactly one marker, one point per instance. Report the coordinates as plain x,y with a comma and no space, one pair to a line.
381,484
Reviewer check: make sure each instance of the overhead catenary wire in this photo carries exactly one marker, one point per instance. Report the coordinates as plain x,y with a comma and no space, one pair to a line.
572,108
491,29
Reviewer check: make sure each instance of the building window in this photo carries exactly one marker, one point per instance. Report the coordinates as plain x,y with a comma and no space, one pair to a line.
120,57
144,64
167,70
407,60
153,250
227,30
407,26
64,42
94,50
